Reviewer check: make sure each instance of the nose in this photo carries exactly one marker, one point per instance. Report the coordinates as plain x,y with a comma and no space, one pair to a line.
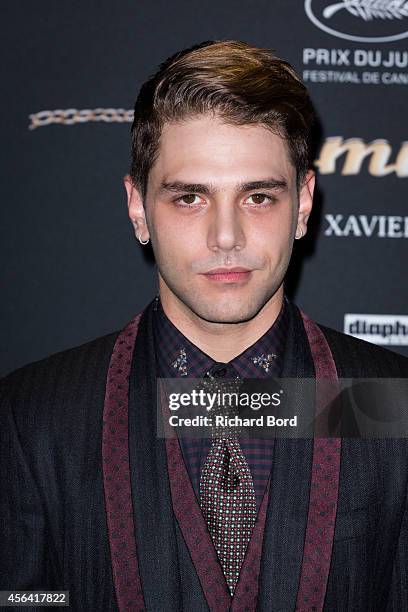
225,231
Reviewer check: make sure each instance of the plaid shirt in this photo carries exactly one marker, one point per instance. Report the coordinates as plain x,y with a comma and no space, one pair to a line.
176,356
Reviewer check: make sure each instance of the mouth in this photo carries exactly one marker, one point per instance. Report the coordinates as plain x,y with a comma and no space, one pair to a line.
228,275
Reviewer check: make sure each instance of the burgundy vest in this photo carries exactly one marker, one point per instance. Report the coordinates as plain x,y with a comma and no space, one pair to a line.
119,508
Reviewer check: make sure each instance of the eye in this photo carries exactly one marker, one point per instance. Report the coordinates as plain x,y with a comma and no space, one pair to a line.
189,200
260,199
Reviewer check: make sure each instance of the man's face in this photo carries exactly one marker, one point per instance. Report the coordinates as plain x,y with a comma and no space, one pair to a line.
221,196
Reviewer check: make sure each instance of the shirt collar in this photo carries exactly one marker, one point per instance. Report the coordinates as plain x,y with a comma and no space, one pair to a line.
177,356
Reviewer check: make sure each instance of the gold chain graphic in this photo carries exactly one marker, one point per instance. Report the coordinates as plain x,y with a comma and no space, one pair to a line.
71,116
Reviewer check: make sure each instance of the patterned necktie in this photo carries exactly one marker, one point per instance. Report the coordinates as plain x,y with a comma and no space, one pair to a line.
228,503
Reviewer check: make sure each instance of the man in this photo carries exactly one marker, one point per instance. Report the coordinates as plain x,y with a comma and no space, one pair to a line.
93,500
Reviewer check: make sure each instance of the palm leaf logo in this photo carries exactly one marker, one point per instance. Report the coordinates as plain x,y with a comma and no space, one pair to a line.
370,9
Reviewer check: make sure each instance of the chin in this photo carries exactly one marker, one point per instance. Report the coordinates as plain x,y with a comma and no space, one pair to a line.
225,313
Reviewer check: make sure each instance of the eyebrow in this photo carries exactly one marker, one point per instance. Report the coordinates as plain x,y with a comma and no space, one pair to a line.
208,189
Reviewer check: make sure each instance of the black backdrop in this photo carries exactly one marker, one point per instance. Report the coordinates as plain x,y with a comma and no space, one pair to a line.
72,269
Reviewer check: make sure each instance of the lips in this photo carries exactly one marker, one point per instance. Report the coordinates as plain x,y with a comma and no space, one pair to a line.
235,274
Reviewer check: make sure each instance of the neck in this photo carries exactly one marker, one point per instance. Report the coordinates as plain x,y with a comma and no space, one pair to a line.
221,341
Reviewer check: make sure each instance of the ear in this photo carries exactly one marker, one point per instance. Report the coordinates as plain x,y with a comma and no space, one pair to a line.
305,201
136,209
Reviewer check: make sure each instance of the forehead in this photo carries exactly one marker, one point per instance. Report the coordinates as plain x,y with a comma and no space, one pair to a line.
205,148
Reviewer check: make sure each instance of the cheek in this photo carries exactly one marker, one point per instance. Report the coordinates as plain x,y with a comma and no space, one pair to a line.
175,232
174,244
271,239
272,231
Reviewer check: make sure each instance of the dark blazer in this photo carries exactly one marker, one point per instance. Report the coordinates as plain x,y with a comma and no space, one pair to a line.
53,522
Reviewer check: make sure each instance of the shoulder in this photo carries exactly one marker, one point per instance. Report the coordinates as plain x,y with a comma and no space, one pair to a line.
61,374
355,357
51,411
57,402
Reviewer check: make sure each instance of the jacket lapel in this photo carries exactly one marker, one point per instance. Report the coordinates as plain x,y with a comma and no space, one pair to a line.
154,524
115,462
325,479
287,512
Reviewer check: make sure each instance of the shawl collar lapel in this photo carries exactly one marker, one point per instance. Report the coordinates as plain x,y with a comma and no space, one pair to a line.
287,513
155,527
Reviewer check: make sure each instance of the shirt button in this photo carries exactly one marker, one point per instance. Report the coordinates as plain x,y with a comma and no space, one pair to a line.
220,372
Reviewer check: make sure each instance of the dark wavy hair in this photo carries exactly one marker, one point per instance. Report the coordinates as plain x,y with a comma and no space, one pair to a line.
239,83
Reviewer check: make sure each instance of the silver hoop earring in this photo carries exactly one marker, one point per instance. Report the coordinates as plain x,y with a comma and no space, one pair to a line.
301,234
143,241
